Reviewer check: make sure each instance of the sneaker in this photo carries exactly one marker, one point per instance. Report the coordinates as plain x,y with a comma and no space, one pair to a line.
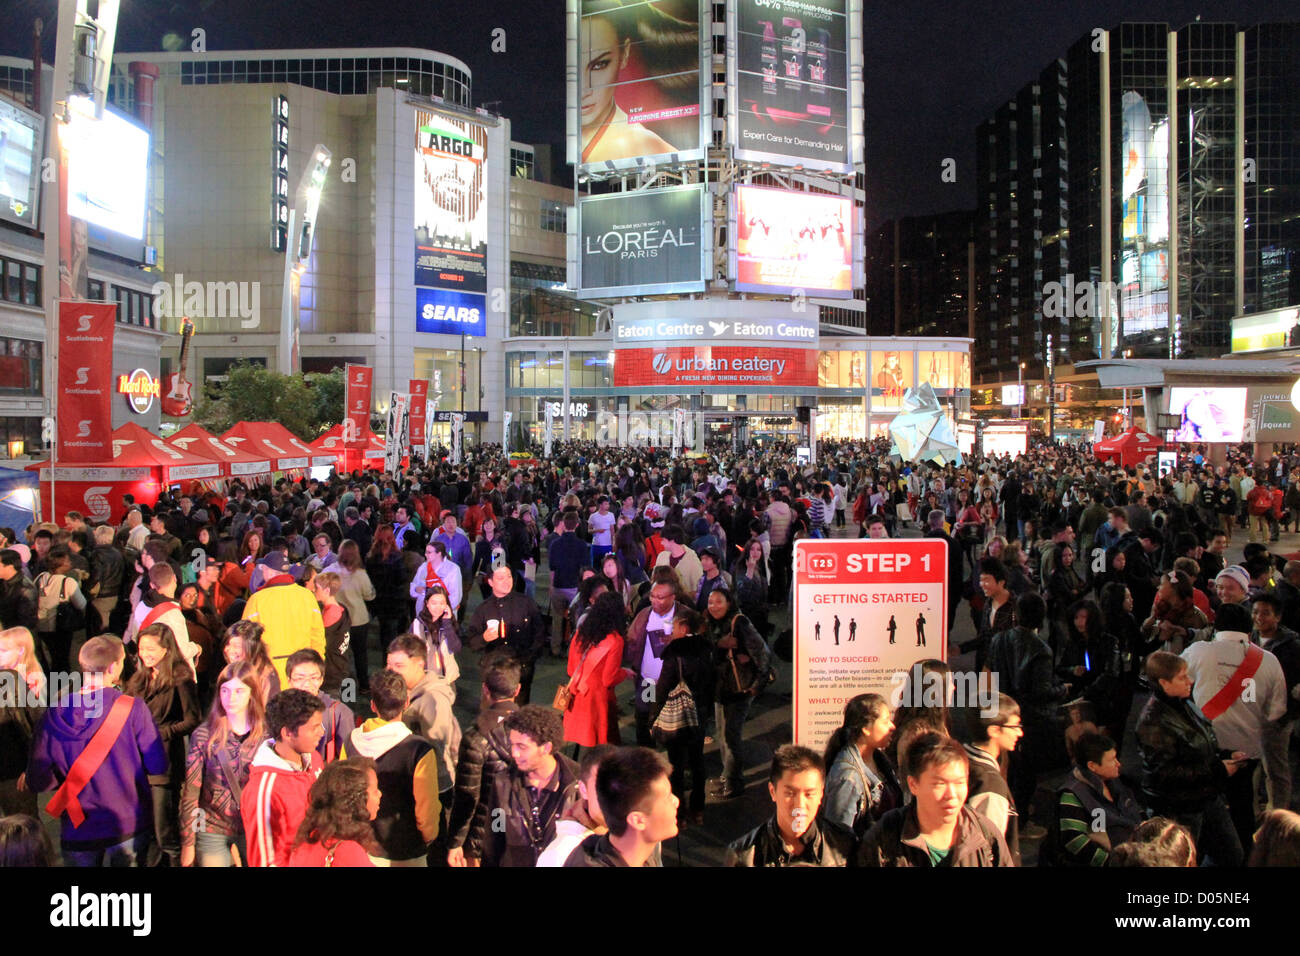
1033,831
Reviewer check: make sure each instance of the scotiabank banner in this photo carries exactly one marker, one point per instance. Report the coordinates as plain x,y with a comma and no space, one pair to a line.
715,365
85,381
356,417
418,389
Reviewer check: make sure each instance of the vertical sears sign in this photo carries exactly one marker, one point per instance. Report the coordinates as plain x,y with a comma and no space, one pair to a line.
451,224
85,381
788,92
642,243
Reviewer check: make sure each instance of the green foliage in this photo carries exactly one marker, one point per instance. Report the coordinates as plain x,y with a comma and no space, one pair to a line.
305,404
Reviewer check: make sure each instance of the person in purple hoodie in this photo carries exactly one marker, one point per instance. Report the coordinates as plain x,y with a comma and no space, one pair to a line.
96,748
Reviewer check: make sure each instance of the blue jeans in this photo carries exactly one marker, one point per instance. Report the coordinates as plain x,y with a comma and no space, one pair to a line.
213,849
731,722
130,852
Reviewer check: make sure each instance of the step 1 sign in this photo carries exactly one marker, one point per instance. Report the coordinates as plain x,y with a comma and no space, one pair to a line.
865,611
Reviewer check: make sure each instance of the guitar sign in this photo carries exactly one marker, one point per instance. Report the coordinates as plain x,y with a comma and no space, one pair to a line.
177,393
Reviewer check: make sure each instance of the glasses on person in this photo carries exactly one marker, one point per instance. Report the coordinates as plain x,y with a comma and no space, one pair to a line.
1020,727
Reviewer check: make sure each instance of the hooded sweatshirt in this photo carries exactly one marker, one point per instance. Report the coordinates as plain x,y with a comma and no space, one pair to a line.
117,800
291,617
407,768
429,715
274,803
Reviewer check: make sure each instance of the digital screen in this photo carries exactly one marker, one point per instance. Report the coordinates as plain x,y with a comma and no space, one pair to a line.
108,169
451,214
791,82
642,242
1009,439
638,79
1013,395
20,161
1208,414
789,241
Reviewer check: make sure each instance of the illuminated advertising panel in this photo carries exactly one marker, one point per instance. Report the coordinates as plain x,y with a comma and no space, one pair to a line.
789,241
842,369
639,80
1005,438
1013,395
108,167
446,312
1144,225
1208,414
945,371
20,160
891,375
642,243
451,209
715,365
788,79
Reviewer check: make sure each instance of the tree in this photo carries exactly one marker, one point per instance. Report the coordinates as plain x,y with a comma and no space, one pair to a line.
306,405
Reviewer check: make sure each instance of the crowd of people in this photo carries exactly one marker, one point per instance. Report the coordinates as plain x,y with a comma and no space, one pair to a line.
269,677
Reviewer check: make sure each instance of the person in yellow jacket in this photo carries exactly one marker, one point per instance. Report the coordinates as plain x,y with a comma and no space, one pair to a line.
407,767
291,619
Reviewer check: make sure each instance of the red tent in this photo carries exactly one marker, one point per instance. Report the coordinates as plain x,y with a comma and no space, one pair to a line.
274,431
371,455
235,462
265,440
1131,448
142,465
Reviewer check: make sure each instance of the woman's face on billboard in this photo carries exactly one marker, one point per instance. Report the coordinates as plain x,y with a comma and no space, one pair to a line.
605,59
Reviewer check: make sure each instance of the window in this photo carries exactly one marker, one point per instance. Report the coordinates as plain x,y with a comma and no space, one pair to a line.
20,366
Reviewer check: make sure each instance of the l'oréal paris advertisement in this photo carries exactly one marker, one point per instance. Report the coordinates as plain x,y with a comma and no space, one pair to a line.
789,241
451,210
642,243
791,70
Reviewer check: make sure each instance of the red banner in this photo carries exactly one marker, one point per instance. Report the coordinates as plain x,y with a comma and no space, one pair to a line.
356,395
716,365
419,392
85,381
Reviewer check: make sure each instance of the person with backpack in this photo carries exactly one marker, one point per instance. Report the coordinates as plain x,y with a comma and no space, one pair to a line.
96,748
688,663
306,671
861,784
60,608
220,757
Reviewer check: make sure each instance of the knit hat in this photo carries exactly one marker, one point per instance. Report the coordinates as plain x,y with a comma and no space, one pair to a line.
1235,573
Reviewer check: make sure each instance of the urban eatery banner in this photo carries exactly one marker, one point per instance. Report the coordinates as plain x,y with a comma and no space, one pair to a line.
789,241
356,420
788,82
865,612
638,82
715,365
451,209
642,243
85,381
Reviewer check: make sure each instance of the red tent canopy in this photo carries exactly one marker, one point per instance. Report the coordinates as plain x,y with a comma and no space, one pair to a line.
235,462
266,440
289,440
1131,448
332,441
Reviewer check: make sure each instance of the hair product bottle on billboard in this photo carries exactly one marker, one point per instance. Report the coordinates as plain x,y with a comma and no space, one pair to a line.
817,58
769,60
792,57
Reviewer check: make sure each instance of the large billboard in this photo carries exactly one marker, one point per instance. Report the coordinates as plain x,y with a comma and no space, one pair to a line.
20,161
712,322
642,243
451,207
1144,225
1208,414
638,81
788,82
707,366
447,312
108,169
788,241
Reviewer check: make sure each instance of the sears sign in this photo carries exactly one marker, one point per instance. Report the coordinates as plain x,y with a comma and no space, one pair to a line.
450,313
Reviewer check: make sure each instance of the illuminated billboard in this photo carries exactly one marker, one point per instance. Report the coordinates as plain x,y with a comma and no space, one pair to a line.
842,369
788,82
1208,414
945,371
709,366
1144,223
638,81
789,241
108,169
20,160
642,243
891,375
451,208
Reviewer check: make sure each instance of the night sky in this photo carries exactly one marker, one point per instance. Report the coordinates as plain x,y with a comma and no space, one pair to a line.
934,69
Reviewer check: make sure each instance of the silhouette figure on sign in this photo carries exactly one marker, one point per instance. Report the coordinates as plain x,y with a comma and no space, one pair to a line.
920,630
893,626
836,627
853,629
817,631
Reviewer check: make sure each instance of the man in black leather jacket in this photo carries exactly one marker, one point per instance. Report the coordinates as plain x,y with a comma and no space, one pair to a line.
17,594
795,835
484,750
107,569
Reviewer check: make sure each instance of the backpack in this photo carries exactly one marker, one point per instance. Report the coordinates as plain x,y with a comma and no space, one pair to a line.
55,610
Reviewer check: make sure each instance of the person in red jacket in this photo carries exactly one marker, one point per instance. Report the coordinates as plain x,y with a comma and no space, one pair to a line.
336,830
1259,508
595,669
275,799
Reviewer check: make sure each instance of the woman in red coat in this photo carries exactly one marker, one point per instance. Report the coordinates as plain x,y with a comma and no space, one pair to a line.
595,669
